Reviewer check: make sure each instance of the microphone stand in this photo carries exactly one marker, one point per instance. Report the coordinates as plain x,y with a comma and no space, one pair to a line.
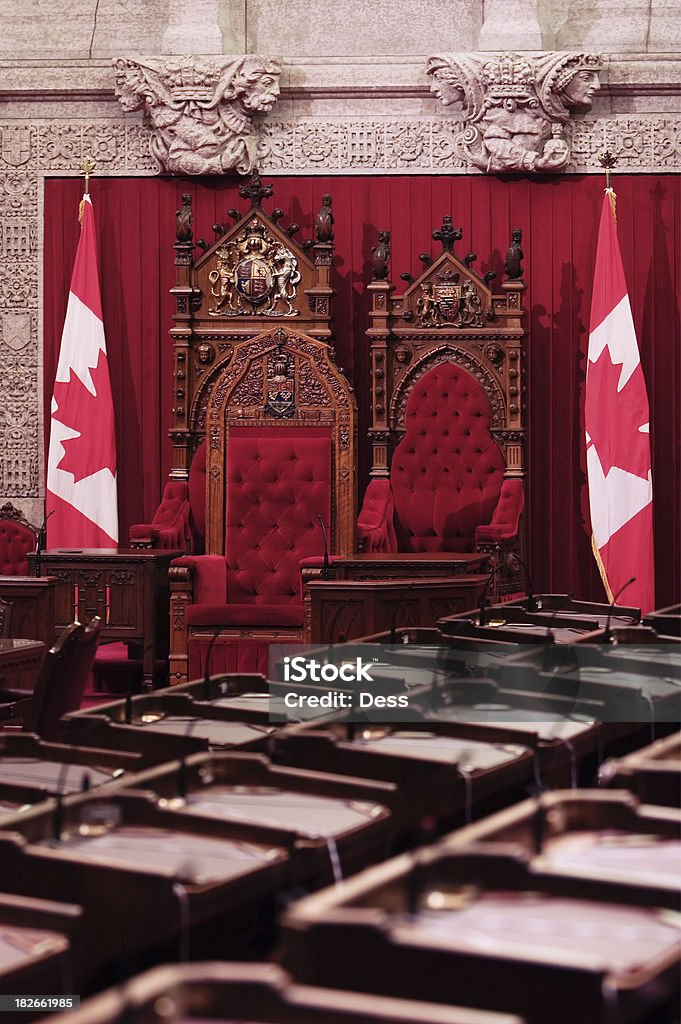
206,673
325,567
607,636
40,544
482,618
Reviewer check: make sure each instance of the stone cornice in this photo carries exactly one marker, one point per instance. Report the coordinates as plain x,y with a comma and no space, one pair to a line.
623,75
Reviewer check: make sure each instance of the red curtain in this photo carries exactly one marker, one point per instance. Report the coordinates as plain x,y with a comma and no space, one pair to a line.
559,219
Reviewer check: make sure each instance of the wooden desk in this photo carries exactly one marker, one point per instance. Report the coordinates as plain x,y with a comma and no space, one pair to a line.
20,662
346,609
128,589
33,601
377,566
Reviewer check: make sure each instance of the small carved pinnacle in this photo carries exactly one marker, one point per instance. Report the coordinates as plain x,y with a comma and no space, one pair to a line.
292,230
255,191
380,256
219,229
426,259
448,234
277,214
307,244
489,277
514,256
234,214
407,277
470,259
324,220
184,219
202,244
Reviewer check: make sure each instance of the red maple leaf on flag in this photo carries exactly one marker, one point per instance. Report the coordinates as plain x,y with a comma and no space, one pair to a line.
92,416
613,417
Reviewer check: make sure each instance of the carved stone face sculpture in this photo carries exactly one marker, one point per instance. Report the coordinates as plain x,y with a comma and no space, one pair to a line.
447,92
579,90
264,90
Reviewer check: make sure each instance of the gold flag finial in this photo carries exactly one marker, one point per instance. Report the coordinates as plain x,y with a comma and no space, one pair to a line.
608,161
87,166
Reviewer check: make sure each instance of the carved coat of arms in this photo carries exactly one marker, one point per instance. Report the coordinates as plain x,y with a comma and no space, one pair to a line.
255,274
448,300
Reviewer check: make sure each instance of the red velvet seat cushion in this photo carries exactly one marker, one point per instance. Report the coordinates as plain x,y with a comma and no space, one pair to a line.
289,616
278,485
15,543
447,471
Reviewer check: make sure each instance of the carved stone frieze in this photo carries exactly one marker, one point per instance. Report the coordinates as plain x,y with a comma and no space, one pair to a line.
200,108
515,107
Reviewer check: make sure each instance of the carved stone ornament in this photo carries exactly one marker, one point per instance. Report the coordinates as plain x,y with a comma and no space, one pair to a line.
201,108
255,274
515,106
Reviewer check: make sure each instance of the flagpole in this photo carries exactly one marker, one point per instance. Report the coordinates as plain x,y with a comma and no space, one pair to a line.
87,166
608,161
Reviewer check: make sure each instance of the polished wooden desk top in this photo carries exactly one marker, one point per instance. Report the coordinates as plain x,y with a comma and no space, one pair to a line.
455,557
13,648
103,554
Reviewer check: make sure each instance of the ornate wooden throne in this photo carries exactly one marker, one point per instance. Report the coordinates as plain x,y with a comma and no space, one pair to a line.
447,398
264,436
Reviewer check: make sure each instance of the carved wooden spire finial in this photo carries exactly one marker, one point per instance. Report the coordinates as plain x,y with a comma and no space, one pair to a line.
255,191
447,234
184,219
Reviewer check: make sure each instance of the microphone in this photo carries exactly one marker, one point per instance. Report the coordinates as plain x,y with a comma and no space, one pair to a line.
607,636
206,673
482,618
325,569
531,599
40,543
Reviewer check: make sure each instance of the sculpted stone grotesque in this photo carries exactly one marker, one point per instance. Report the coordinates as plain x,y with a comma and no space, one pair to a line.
201,109
515,106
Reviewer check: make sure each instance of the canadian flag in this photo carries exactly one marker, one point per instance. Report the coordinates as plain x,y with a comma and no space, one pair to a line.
81,463
617,424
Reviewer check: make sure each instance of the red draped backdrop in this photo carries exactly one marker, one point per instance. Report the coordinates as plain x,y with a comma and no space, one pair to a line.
559,219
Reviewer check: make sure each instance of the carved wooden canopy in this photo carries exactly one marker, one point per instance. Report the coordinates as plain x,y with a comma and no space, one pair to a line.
251,334
448,314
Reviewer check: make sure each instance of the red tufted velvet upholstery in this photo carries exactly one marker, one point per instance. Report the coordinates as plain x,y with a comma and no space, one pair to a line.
278,483
16,540
446,474
170,526
286,616
504,525
179,521
376,523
